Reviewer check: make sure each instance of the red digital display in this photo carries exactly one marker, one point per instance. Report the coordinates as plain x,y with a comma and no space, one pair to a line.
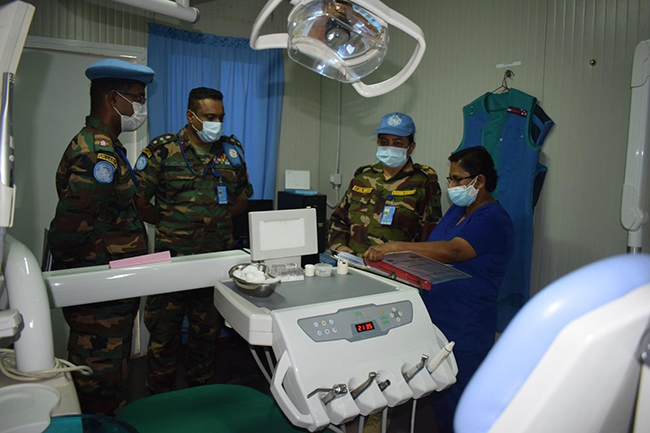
362,327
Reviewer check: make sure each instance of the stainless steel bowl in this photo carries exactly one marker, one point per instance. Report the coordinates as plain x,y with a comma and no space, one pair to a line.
260,290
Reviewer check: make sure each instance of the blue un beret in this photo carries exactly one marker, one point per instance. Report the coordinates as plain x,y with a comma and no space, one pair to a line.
120,69
396,124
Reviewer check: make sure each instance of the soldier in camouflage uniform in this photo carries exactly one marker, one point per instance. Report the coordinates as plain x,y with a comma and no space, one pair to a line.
96,221
199,181
393,200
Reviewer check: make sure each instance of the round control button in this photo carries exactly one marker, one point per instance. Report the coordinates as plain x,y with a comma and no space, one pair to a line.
327,332
331,322
323,323
393,309
319,333
400,314
392,315
334,330
315,324
398,320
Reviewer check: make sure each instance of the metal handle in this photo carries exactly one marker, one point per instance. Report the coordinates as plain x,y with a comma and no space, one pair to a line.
356,392
332,393
408,375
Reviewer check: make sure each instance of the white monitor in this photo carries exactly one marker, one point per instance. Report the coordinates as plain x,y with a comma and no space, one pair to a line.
282,233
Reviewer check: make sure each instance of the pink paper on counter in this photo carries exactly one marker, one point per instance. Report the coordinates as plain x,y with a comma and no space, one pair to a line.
146,259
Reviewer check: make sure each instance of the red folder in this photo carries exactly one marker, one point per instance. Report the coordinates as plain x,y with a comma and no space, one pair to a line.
399,274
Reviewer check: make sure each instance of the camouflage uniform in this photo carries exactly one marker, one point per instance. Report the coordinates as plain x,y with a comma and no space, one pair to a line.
191,221
414,192
96,221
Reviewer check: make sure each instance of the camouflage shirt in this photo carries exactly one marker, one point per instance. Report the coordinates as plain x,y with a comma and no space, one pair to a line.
414,192
190,218
96,219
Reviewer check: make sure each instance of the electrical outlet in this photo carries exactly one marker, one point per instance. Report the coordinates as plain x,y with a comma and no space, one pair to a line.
335,179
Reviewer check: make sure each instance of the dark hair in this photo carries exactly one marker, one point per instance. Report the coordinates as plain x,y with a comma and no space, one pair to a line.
200,93
475,161
101,86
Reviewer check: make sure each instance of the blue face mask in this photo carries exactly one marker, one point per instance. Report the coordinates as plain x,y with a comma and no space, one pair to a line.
392,157
211,131
463,196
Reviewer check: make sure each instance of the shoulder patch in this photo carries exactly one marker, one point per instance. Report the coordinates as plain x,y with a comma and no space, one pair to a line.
232,139
141,163
108,158
362,169
104,172
147,152
424,168
431,173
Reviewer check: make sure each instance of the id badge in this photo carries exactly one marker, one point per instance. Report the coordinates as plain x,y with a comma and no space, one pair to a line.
222,194
387,215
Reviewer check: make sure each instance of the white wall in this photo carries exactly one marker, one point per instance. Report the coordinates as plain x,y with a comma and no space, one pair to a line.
577,219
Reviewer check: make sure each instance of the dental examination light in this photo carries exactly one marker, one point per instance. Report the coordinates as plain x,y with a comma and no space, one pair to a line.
633,213
342,40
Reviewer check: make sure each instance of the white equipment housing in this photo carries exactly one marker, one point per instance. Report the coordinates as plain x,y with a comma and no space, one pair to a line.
633,213
574,359
329,331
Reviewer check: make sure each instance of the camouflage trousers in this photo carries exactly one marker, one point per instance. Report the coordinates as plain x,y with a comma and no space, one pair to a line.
100,337
164,319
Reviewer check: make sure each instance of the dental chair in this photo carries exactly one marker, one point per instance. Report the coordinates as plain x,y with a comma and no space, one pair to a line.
574,359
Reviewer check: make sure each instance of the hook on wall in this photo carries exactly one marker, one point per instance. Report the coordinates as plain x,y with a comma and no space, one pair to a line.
507,75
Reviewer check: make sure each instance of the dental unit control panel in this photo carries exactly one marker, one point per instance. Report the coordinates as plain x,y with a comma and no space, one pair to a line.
346,345
354,324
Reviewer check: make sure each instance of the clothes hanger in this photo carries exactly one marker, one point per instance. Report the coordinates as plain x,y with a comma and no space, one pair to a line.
503,88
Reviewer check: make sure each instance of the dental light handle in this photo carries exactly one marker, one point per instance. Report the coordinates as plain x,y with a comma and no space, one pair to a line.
437,360
633,213
282,398
408,27
275,40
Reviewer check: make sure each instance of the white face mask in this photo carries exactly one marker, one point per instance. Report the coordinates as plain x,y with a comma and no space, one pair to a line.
211,131
135,121
463,196
392,157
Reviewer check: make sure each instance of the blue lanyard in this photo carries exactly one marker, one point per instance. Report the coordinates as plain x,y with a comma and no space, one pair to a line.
128,164
210,166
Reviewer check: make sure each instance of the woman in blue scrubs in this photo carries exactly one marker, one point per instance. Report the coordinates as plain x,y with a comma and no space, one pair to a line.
476,235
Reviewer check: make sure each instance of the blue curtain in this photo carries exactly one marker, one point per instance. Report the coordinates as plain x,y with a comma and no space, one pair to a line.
251,82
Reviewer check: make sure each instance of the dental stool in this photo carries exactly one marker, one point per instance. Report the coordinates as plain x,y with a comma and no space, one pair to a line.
209,408
575,359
